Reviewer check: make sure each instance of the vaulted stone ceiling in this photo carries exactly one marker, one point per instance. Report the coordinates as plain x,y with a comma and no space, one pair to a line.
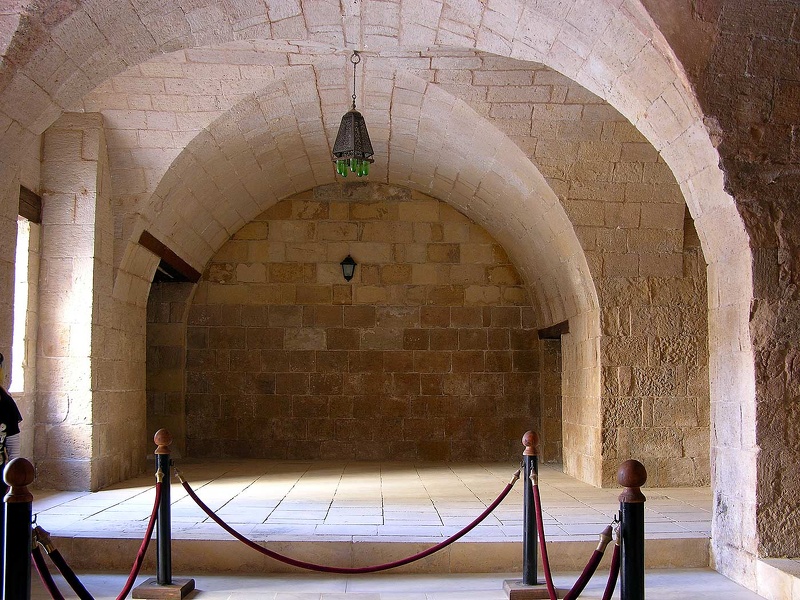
175,79
262,145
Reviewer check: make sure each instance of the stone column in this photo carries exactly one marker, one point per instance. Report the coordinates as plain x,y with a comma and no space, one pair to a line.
9,202
76,274
581,444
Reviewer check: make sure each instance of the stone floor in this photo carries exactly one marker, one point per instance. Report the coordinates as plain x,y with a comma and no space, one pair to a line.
360,513
697,584
286,501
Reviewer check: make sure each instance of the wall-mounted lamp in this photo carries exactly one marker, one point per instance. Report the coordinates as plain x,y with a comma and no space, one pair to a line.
348,268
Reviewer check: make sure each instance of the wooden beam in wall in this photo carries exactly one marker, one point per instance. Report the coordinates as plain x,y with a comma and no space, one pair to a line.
554,332
30,205
172,267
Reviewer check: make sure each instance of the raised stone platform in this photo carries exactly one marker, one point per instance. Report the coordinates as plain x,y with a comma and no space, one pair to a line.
356,514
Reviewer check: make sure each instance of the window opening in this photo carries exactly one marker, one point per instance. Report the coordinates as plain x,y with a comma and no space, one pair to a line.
21,296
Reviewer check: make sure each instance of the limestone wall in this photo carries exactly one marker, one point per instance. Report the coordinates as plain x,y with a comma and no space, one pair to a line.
581,433
167,309
655,399
750,86
628,212
90,400
741,58
551,400
429,354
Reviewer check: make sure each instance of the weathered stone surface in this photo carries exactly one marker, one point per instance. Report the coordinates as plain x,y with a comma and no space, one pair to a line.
406,340
726,97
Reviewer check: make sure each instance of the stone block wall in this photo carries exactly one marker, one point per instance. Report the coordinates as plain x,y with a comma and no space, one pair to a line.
655,396
628,213
166,361
551,400
167,308
430,353
580,394
90,409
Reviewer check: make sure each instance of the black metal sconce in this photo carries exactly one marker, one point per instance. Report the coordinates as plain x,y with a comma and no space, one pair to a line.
348,268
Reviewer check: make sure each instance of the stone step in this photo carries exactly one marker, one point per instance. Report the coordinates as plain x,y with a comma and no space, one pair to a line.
778,578
220,556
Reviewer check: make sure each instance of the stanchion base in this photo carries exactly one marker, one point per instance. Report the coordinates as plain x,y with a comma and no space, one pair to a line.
516,590
179,588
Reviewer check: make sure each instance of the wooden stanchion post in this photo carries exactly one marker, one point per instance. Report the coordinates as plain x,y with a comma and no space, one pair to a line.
163,585
632,476
18,535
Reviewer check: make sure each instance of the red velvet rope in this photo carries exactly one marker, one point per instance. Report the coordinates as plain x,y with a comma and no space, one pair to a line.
613,572
44,574
137,563
588,570
345,570
69,575
548,576
76,584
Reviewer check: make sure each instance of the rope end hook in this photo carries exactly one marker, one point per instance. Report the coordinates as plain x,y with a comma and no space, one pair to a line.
42,537
605,539
178,475
534,477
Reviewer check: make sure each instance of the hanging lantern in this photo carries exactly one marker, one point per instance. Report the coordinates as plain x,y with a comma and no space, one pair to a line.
352,150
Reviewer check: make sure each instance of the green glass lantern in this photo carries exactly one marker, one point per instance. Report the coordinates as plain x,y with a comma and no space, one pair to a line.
352,151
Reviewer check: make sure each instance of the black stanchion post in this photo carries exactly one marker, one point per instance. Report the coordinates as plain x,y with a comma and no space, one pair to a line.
528,587
163,439
3,491
18,535
632,476
163,586
530,540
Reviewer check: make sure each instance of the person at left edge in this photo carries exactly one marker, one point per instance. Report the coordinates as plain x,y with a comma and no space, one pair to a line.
10,418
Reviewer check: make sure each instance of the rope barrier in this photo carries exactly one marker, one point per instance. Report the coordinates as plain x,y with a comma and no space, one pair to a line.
44,574
69,575
43,539
613,571
537,504
591,565
137,563
345,570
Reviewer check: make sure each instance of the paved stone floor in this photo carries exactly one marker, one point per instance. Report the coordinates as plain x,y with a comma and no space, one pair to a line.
674,584
314,501
285,501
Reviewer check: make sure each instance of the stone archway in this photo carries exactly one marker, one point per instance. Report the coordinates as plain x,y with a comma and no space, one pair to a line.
522,212
612,50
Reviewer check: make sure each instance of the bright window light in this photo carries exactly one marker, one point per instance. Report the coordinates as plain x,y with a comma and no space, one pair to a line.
20,305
